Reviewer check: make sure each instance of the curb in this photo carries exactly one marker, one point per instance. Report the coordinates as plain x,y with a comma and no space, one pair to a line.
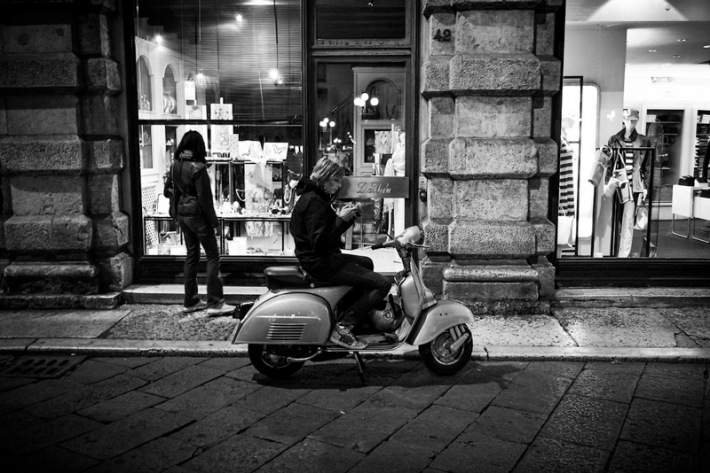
104,347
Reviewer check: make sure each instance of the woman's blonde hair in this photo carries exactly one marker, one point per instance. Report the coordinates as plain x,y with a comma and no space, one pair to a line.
326,168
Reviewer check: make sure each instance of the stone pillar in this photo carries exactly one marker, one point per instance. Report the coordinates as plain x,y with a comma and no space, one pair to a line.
488,75
61,153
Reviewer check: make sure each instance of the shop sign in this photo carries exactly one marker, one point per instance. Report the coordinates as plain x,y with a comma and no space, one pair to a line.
380,187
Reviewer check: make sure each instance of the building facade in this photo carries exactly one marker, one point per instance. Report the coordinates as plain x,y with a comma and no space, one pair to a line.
95,94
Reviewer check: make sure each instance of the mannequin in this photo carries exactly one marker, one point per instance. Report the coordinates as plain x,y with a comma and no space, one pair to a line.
626,181
396,167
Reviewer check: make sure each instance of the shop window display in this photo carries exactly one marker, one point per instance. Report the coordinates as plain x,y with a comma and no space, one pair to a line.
230,70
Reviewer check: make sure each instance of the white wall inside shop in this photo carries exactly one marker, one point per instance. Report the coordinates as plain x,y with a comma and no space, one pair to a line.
599,55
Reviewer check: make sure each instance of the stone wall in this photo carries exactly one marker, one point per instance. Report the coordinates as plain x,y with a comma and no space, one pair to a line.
61,154
488,77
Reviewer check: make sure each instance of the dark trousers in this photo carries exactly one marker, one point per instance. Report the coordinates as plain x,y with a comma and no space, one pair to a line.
196,231
358,272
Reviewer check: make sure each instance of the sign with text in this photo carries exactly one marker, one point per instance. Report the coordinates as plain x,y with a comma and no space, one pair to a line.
379,187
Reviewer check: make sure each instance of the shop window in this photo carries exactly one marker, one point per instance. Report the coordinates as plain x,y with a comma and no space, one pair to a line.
360,19
231,70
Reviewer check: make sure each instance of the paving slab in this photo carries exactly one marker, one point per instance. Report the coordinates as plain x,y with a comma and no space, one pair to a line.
34,393
36,438
119,437
394,457
435,428
694,322
663,425
487,453
610,381
554,456
630,327
237,453
218,426
527,330
291,424
121,406
312,455
631,456
505,424
47,460
182,381
208,398
684,391
153,456
58,323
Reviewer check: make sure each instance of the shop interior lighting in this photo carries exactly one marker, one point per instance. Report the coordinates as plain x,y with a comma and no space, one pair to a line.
239,18
707,46
158,39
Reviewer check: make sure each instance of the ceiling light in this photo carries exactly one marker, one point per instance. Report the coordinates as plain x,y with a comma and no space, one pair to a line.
676,56
653,50
158,39
239,18
707,46
681,40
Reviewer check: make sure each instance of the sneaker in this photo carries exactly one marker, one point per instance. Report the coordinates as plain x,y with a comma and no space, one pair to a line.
199,305
343,336
222,309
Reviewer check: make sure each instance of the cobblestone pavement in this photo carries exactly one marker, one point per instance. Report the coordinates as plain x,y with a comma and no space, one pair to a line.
187,414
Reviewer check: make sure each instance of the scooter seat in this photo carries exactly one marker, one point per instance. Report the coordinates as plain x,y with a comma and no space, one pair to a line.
283,277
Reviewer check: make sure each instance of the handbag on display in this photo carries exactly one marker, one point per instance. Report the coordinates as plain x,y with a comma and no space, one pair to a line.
623,190
565,230
686,181
641,214
169,192
604,155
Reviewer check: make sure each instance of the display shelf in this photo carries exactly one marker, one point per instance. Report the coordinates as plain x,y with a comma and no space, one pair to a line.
702,135
664,133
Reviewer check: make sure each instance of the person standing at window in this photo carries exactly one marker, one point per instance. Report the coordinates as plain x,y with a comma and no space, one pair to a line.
198,221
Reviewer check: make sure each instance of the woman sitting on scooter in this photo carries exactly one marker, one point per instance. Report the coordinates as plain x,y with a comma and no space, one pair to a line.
316,228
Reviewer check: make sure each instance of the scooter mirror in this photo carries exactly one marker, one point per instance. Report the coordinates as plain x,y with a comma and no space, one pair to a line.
410,235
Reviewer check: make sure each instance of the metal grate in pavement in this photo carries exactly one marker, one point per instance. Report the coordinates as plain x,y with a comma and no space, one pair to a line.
40,366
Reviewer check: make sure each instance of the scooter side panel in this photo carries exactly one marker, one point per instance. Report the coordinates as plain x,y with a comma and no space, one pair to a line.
434,320
291,318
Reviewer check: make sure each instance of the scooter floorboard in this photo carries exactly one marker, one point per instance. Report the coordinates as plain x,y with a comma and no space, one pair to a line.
375,342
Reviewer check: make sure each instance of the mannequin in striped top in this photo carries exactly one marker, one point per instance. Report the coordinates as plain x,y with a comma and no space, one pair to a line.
632,169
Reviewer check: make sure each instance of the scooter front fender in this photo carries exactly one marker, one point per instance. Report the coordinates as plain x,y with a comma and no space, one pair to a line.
438,318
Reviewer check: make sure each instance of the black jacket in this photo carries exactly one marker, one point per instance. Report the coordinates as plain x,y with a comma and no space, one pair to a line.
642,161
193,193
316,231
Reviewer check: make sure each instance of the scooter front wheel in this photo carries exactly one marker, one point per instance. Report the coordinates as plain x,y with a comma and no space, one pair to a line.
272,361
438,356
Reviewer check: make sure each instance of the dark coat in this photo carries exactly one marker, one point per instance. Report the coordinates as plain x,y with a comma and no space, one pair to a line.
316,231
642,162
193,193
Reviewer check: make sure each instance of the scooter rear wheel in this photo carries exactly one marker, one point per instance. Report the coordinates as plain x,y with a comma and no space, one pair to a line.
271,361
438,357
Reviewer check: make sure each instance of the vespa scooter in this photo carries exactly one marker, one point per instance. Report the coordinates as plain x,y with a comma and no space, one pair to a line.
291,322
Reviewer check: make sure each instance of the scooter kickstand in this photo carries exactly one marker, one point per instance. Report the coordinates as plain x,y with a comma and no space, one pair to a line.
360,366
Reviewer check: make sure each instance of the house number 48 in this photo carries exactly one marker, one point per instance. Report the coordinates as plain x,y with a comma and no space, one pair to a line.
443,35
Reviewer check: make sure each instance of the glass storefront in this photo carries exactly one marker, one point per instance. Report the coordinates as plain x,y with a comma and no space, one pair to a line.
634,134
233,71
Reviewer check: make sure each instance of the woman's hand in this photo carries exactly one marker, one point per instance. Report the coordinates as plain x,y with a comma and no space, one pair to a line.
349,212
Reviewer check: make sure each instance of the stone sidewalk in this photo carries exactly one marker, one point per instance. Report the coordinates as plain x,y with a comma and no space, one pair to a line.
569,333
215,414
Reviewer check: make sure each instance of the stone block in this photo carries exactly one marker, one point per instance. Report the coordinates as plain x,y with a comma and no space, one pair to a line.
545,236
441,118
111,232
439,23
546,277
495,31
440,195
542,119
432,275
429,7
491,199
551,69
47,195
41,234
539,195
42,115
103,194
482,158
52,278
545,34
495,74
106,155
116,272
100,115
51,154
435,157
6,207
94,35
493,117
2,239
491,239
489,272
36,39
547,156
490,291
58,72
3,117
436,236
435,75
103,75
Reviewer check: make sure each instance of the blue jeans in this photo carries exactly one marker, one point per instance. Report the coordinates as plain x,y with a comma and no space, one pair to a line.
196,231
358,272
